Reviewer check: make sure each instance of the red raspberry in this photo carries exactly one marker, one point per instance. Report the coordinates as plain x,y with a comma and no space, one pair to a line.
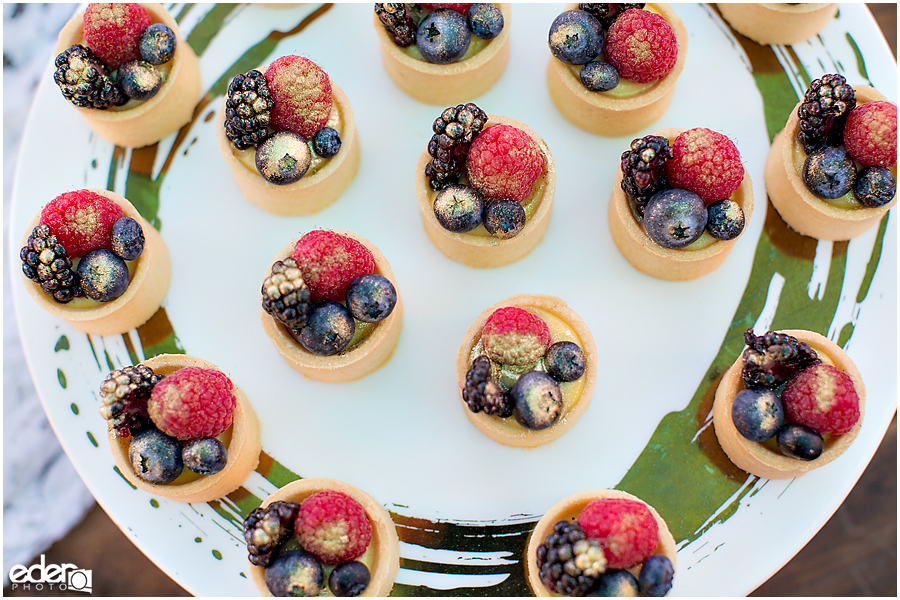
706,163
504,162
822,397
626,530
113,31
82,221
192,402
870,134
333,527
329,262
641,46
302,95
514,336
459,7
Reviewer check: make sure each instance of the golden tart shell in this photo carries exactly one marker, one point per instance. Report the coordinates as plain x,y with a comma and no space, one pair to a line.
384,532
311,193
243,449
447,84
170,109
367,357
601,114
772,23
757,458
507,431
650,258
802,210
569,508
488,251
148,286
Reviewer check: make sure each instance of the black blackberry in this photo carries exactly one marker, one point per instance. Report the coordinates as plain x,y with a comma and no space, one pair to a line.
248,106
285,295
123,398
45,261
454,131
773,358
644,168
398,21
482,393
607,13
84,80
823,112
265,528
569,563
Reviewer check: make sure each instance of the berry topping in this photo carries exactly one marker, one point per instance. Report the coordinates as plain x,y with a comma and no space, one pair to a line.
706,163
204,456
569,563
349,579
295,573
248,109
565,361
285,295
139,79
617,583
127,239
157,44
485,20
822,397
460,7
656,576
504,218
81,220
265,528
870,134
283,158
326,142
757,414
800,441
575,37
302,95
504,162
641,46
329,329
46,262
823,112
725,219
155,457
606,13
675,218
513,336
626,530
123,398
771,359
333,527
829,172
371,298
113,31
454,131
443,36
193,402
875,186
483,393
103,275
599,76
537,400
644,168
84,80
398,21
458,208
329,262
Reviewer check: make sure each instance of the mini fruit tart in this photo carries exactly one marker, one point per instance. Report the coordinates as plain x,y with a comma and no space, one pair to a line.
606,83
444,53
485,186
832,171
322,537
680,201
288,134
792,402
179,428
92,260
331,307
600,543
776,23
128,70
530,357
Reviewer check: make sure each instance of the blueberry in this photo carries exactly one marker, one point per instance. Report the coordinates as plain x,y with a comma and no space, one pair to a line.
329,328
656,576
599,76
576,37
875,186
458,208
326,142
537,400
675,218
615,582
829,172
157,44
155,457
485,20
564,361
204,456
504,218
725,219
127,239
283,157
800,441
295,573
349,579
371,298
139,79
104,276
757,414
443,36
